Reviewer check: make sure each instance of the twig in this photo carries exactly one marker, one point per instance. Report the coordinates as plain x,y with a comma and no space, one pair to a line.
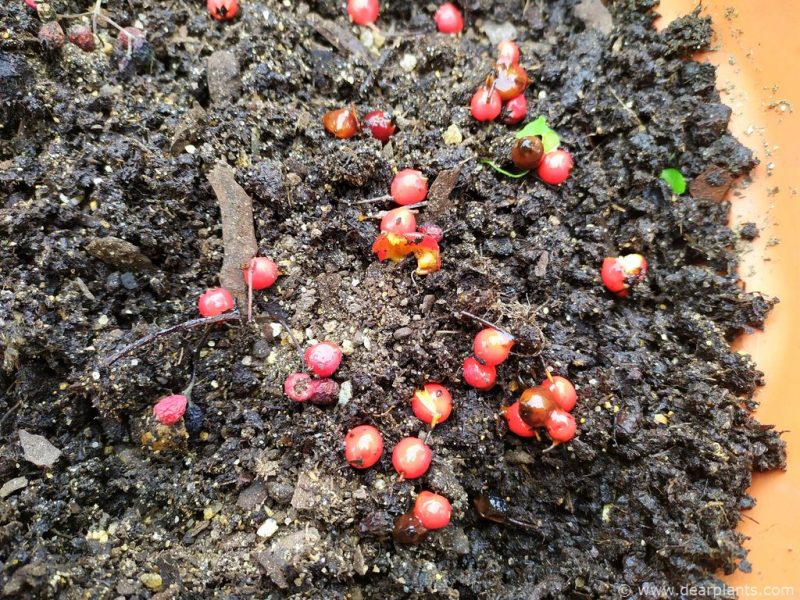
488,323
625,106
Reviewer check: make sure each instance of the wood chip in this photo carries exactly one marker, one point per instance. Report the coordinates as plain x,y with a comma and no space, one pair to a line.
37,449
712,184
119,253
439,203
224,81
337,36
188,130
12,485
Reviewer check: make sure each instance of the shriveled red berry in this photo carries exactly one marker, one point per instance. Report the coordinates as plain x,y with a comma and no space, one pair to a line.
214,302
486,104
449,19
507,52
409,186
380,126
408,529
515,422
432,510
561,426
563,392
555,167
492,346
298,387
222,10
82,37
342,122
51,35
432,404
127,37
527,152
478,375
535,406
261,273
433,231
411,457
510,80
323,358
169,410
515,110
324,391
363,446
619,273
399,220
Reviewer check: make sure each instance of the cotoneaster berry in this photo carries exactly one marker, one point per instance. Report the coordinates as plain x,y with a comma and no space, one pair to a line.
433,231
432,404
128,37
535,406
214,302
31,4
527,152
82,37
432,510
563,392
261,273
480,376
399,221
618,273
492,346
555,167
486,104
510,80
515,423
515,110
411,457
408,529
169,410
298,387
324,391
363,446
342,122
409,186
561,426
449,19
380,126
222,10
363,12
507,53
51,35
323,358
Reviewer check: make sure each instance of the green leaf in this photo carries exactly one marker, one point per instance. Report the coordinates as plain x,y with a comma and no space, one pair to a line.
502,171
550,141
675,180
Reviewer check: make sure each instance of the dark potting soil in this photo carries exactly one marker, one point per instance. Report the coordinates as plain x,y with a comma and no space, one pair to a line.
255,499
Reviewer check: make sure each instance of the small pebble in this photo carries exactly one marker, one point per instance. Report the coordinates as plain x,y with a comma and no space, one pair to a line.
408,63
267,529
151,580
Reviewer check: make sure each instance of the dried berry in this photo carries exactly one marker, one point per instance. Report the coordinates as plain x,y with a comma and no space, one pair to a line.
363,446
449,19
170,409
214,302
510,80
411,457
261,273
399,221
515,422
380,126
82,37
193,418
432,404
409,186
562,390
492,346
363,12
51,35
535,406
527,152
432,510
408,529
323,358
561,425
222,10
342,122
324,391
555,167
479,375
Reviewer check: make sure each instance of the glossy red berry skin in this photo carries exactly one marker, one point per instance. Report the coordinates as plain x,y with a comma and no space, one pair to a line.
508,52
399,221
617,271
380,126
486,104
214,302
261,273
535,405
555,167
363,446
561,426
563,392
409,186
432,510
323,359
411,457
432,404
449,19
169,410
492,346
298,387
363,12
515,423
480,376
433,231
341,123
222,10
515,110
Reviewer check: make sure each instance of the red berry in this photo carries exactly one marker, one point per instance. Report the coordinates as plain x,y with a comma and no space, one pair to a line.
563,392
298,387
363,12
262,272
399,221
492,346
323,358
448,18
507,52
169,410
486,104
555,167
380,126
342,122
618,271
363,446
432,510
432,231
432,404
478,375
411,457
409,186
510,81
82,37
214,302
515,422
222,10
561,426
535,406
31,4
515,110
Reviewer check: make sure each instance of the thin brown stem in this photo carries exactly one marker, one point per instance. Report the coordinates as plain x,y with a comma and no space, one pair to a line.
487,323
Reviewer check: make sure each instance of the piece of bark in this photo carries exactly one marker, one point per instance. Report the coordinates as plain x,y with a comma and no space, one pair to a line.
712,184
439,203
238,232
224,81
37,449
339,37
118,253
188,130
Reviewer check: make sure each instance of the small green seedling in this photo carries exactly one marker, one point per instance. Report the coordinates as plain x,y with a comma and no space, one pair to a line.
675,179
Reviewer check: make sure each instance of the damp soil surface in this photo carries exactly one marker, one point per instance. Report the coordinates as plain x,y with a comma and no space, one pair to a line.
110,230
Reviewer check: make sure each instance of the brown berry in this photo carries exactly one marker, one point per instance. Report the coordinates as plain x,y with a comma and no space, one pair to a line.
408,529
527,152
511,81
535,405
343,122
